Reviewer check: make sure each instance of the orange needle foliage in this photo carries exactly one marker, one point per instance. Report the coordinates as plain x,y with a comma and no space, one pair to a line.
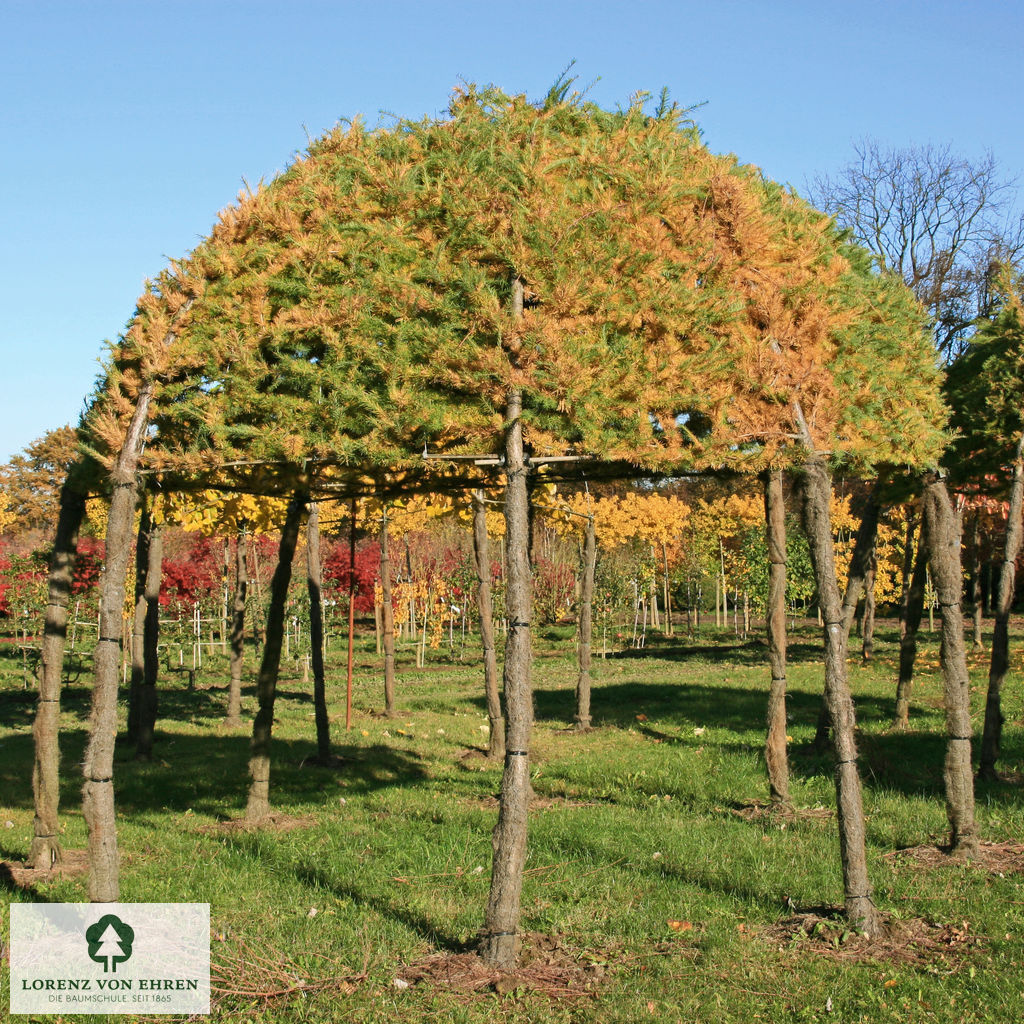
679,307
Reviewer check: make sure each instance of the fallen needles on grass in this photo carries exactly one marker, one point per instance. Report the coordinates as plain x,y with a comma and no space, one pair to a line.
22,876
998,858
248,975
758,810
914,941
546,968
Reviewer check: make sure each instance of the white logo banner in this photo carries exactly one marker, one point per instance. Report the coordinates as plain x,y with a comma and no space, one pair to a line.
130,958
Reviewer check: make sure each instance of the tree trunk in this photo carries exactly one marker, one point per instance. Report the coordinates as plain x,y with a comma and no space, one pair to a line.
45,851
147,693
258,805
775,754
867,622
908,569
863,556
234,715
975,584
911,625
351,611
314,584
861,560
668,592
1000,663
583,719
499,940
139,618
947,577
482,557
98,767
860,908
388,619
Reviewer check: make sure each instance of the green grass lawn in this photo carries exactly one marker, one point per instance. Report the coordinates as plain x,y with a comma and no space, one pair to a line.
638,824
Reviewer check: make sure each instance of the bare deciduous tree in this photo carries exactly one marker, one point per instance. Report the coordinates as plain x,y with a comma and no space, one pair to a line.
938,219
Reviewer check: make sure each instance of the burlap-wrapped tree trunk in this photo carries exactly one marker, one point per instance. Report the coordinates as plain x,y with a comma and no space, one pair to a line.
582,719
45,851
941,527
817,495
258,805
499,940
775,754
485,609
861,560
1000,663
98,767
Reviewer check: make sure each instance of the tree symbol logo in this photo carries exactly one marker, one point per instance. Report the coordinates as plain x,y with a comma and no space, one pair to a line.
110,942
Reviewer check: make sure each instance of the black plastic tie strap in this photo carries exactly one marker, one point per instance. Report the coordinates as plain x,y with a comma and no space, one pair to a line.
962,739
498,935
517,753
513,624
110,640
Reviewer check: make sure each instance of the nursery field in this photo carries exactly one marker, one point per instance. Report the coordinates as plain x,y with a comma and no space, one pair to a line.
658,886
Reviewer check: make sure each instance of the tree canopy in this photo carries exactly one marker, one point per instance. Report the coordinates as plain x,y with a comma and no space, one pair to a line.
984,388
679,308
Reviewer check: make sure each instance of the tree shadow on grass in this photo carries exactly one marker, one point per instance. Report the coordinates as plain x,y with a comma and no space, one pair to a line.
209,774
266,857
617,705
751,652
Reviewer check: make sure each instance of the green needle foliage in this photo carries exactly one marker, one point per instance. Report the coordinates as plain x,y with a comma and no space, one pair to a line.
984,388
357,308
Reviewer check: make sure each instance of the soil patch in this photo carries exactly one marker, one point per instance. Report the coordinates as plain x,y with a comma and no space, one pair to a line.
758,810
998,858
271,823
546,966
915,942
72,864
478,756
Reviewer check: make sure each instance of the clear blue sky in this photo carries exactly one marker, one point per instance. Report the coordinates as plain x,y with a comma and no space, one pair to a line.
126,126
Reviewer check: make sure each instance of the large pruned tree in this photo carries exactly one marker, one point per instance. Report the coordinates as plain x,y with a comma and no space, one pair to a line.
541,281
